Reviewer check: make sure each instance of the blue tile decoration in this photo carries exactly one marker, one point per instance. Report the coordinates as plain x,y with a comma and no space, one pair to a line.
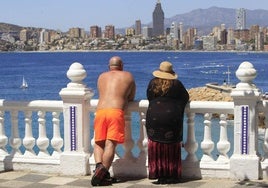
73,128
244,131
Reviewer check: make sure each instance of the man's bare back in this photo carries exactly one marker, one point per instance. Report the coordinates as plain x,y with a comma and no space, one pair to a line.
116,87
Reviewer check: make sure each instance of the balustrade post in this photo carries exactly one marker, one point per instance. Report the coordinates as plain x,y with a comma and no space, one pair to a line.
76,98
191,166
15,140
143,140
191,145
42,141
223,145
56,141
3,137
3,143
244,163
129,143
207,145
28,140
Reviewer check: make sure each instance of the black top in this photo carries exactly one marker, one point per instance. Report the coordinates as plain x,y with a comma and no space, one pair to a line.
164,118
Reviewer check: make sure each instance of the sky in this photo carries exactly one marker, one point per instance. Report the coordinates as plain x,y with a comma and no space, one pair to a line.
65,14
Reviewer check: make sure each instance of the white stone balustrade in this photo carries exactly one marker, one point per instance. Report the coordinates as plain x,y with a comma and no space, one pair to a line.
246,96
64,142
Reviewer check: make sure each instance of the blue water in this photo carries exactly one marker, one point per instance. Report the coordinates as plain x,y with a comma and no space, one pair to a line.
46,72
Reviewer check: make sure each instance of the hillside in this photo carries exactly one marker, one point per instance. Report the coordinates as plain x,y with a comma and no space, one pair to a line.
206,19
6,27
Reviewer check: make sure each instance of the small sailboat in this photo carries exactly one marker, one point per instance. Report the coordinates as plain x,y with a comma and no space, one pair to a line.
24,84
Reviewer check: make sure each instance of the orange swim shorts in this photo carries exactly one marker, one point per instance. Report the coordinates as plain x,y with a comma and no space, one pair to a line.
109,124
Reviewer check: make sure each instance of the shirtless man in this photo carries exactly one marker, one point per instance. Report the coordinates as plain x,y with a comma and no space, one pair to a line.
116,87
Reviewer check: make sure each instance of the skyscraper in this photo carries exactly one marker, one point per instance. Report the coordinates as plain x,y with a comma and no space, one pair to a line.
138,27
181,30
109,32
240,19
174,30
95,31
158,20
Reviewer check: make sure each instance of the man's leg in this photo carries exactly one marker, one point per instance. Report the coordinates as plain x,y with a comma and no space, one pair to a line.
109,152
101,171
98,151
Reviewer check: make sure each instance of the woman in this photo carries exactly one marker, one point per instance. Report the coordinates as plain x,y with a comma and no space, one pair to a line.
164,124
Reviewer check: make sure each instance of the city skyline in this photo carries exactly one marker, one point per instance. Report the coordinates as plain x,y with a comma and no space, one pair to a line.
63,15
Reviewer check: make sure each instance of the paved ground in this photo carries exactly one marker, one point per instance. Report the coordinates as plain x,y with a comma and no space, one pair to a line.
36,180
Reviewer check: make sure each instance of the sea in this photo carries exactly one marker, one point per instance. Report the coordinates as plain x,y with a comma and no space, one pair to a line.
45,72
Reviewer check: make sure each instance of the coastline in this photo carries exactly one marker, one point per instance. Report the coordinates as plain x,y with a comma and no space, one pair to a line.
141,51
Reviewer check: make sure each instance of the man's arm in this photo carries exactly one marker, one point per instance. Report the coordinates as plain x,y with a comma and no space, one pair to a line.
132,92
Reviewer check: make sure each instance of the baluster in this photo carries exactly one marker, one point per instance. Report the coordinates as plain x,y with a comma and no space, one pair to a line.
191,145
143,140
92,142
207,145
223,145
15,140
190,166
56,141
265,141
29,140
129,143
3,137
42,141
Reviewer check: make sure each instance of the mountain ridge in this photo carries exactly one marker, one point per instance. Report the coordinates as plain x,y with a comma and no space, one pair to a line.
205,19
202,19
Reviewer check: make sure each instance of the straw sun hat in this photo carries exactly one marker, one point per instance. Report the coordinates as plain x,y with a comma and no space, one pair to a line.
165,71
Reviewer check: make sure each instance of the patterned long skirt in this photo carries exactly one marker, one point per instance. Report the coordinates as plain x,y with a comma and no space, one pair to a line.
164,160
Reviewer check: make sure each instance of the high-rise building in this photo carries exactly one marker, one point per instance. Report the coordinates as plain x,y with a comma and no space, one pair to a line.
174,30
95,31
254,29
109,32
130,31
41,38
24,35
190,38
138,27
181,30
75,32
259,41
230,36
158,20
242,35
240,19
209,43
223,36
47,37
147,32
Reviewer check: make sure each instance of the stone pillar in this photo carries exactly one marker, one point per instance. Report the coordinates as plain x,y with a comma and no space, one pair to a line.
244,163
76,99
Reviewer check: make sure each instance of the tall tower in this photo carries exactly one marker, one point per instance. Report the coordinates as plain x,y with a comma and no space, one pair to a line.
138,27
174,30
42,33
95,31
158,20
181,30
109,32
240,19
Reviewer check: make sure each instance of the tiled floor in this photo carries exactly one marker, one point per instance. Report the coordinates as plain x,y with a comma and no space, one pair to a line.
24,179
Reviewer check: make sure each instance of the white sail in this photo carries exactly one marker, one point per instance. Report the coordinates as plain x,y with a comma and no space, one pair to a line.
24,83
